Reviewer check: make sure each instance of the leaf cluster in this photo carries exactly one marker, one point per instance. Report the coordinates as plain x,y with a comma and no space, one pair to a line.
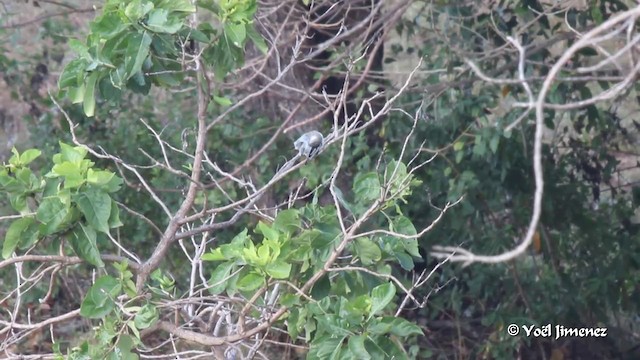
71,202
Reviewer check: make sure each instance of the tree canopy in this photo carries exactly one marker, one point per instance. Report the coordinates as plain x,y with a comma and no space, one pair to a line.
471,189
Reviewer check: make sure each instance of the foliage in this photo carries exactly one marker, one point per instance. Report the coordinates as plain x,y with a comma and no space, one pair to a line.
70,202
584,251
296,271
133,45
297,253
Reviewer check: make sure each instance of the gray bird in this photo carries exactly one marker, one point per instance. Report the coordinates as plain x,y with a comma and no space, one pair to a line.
309,144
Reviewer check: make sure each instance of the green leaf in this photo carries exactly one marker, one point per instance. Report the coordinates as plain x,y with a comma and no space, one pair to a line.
366,186
176,5
596,14
381,296
224,56
268,232
28,156
358,307
237,33
250,282
480,146
71,172
89,101
19,203
30,235
356,346
405,260
28,178
139,84
136,9
132,326
222,101
325,347
196,34
9,183
459,156
214,255
98,302
137,51
494,142
15,235
287,221
108,91
99,177
15,158
51,214
289,300
458,145
295,319
83,241
79,48
229,251
278,270
113,185
166,283
114,216
95,205
384,348
321,288
403,225
123,349
70,153
219,278
396,326
399,172
146,317
402,327
367,250
72,74
257,39
76,94
108,25
118,77
210,5
160,22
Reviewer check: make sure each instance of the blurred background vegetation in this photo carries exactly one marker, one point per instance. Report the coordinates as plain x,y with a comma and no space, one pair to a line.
583,269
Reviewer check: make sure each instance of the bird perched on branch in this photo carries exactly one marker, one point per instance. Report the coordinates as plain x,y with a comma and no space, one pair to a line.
309,144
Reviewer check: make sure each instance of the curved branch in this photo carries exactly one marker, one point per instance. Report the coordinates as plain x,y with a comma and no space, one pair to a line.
461,255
